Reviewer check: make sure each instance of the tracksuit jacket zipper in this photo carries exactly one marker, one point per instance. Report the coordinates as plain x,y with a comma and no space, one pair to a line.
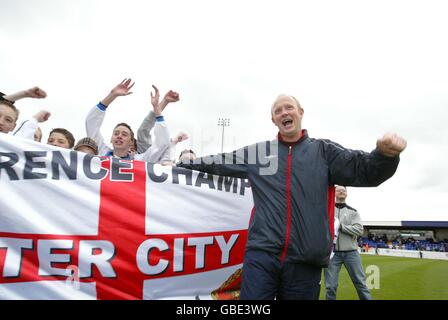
288,206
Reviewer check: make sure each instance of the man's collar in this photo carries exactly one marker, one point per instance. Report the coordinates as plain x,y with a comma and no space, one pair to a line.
341,205
303,136
111,154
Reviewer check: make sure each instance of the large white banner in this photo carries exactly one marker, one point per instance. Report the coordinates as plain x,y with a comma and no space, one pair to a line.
73,226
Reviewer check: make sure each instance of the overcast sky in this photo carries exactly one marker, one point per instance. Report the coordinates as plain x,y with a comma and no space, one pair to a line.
359,69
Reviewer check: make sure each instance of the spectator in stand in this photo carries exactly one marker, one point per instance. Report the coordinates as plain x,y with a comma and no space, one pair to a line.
62,138
346,251
418,245
122,136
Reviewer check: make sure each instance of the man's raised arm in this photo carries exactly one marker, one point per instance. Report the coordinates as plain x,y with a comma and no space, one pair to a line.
361,169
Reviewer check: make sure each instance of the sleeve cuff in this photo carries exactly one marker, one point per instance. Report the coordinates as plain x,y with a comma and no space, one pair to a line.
160,119
378,154
101,106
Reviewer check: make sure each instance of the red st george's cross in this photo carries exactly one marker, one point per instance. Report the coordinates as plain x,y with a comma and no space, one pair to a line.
122,214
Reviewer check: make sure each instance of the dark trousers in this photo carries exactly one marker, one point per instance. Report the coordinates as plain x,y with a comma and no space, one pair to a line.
265,277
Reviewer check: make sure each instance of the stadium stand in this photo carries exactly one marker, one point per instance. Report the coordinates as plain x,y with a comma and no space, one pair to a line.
405,235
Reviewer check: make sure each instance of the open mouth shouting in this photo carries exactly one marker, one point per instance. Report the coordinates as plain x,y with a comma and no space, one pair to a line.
287,123
118,142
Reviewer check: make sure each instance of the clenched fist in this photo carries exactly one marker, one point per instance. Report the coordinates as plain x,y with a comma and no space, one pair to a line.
35,92
42,116
391,145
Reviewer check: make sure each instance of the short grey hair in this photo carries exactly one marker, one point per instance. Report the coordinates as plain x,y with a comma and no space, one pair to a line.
288,96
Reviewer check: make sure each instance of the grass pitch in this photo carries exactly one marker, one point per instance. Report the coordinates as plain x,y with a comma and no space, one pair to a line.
399,279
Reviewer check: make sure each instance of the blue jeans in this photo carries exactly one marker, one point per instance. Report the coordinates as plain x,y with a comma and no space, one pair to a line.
352,263
265,277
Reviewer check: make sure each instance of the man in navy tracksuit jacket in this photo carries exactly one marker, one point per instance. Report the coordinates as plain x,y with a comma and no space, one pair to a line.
292,177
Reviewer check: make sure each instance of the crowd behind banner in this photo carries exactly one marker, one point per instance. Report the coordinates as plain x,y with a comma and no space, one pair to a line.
152,142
